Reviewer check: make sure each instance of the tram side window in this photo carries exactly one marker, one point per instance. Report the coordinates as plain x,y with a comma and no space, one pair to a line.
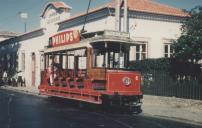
112,55
57,59
70,62
64,62
82,63
98,59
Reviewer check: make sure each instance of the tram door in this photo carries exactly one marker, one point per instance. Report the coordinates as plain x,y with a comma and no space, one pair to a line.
33,66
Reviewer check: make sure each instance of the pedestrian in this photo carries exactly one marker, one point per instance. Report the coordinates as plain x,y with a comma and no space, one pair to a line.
51,74
5,75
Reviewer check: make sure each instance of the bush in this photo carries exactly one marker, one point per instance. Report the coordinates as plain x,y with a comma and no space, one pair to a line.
148,65
172,66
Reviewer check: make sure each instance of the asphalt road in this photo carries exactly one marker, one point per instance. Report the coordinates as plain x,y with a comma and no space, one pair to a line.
19,110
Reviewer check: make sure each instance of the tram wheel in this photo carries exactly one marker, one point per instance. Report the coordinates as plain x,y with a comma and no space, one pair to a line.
136,110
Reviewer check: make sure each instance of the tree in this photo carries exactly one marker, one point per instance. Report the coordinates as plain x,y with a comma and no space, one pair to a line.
189,45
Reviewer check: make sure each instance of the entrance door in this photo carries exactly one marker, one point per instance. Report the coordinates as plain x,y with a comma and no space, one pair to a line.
33,69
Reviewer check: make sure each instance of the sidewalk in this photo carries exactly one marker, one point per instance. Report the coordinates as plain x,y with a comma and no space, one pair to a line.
28,89
164,107
175,108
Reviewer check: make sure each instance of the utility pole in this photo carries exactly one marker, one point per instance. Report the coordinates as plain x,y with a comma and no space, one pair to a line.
118,10
24,16
125,22
117,15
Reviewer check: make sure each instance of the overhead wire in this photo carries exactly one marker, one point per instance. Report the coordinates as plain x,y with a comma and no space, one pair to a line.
83,29
110,14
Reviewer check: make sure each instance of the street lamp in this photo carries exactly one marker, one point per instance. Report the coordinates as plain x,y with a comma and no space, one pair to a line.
24,16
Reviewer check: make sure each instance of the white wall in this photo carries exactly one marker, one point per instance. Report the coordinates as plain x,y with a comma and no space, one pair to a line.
153,32
98,25
33,45
2,38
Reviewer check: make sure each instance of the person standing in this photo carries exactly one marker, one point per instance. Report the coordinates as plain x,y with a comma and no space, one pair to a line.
5,75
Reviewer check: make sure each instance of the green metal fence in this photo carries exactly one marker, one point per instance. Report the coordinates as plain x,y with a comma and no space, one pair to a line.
163,84
171,80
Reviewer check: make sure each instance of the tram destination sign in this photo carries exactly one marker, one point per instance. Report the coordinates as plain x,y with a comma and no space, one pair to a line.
64,38
116,33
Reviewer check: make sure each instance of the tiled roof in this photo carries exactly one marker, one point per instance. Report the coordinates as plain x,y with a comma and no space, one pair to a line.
59,5
56,5
153,7
148,6
31,31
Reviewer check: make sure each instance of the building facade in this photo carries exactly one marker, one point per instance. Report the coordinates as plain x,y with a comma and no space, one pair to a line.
152,25
6,35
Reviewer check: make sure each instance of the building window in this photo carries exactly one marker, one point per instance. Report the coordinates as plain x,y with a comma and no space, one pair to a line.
168,51
141,51
8,58
23,62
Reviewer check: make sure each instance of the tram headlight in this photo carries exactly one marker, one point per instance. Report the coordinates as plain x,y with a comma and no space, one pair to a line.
126,81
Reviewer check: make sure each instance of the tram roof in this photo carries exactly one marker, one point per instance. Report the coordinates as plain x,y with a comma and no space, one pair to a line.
107,37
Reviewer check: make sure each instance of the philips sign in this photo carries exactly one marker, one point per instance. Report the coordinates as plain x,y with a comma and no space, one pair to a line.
64,38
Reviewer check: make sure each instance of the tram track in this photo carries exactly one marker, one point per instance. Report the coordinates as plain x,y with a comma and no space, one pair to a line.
95,111
106,116
123,119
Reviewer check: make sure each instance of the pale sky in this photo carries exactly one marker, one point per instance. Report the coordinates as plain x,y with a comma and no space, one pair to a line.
10,19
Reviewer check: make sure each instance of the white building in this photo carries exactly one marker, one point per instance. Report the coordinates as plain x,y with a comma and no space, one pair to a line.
152,25
6,35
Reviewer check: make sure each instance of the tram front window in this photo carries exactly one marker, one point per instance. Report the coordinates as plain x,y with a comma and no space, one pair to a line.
111,55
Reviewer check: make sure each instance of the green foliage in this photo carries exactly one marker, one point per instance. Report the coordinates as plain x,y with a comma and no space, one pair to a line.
148,65
171,66
189,44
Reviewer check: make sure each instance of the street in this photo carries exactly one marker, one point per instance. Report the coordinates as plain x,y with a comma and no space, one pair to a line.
20,110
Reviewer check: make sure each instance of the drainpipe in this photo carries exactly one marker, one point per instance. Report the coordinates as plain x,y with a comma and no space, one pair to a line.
125,21
117,15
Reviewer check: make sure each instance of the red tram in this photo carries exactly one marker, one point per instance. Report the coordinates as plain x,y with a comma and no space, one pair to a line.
93,69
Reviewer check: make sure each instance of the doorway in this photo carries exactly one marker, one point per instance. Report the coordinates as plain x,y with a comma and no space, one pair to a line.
33,66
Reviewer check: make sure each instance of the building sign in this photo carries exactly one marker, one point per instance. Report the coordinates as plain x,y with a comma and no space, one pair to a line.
65,38
53,17
53,14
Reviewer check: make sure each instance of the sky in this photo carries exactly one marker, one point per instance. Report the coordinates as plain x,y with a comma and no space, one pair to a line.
11,21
